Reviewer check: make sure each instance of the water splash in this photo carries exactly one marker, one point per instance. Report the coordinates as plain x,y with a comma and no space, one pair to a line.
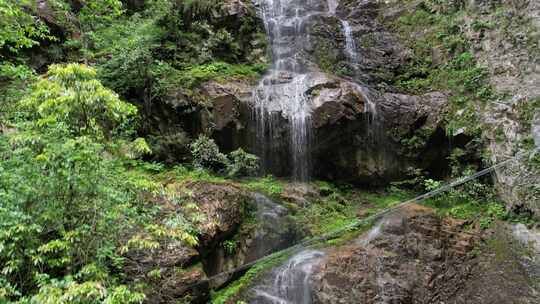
291,282
373,233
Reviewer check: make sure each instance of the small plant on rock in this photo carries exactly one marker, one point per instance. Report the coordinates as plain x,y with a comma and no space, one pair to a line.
230,246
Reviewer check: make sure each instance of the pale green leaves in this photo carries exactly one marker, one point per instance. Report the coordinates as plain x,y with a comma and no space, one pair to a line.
18,28
71,97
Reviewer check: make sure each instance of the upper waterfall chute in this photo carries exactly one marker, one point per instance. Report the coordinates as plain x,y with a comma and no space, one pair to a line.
281,93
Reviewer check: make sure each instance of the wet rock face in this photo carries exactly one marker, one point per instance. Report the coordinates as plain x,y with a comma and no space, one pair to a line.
268,230
357,131
414,256
352,129
409,257
229,113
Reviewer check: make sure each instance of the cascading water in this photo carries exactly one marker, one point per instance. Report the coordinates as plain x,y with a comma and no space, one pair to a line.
281,91
332,6
281,94
291,282
274,231
350,44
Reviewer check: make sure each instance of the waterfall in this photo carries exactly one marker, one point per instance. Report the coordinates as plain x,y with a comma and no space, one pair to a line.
281,93
291,282
350,44
332,6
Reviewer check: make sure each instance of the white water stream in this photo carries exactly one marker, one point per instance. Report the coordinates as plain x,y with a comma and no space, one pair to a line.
291,282
350,44
281,93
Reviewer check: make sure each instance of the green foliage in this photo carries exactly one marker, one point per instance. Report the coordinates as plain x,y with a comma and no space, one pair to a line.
206,154
326,214
60,203
242,163
230,246
18,28
70,97
432,185
125,54
219,71
65,200
199,174
14,82
73,193
474,201
196,9
138,148
69,291
95,13
454,69
267,184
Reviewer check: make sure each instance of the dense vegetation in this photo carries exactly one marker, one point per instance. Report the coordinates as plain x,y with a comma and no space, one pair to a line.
79,81
73,190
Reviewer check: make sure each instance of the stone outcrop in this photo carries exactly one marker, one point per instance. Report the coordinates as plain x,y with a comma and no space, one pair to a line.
504,38
360,134
229,115
510,53
223,207
168,272
176,271
413,256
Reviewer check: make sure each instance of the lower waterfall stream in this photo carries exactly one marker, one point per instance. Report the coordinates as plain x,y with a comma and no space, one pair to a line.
289,283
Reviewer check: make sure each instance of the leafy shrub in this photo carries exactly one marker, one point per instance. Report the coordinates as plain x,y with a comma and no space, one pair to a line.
62,207
242,163
69,291
432,185
206,154
195,75
18,28
71,97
